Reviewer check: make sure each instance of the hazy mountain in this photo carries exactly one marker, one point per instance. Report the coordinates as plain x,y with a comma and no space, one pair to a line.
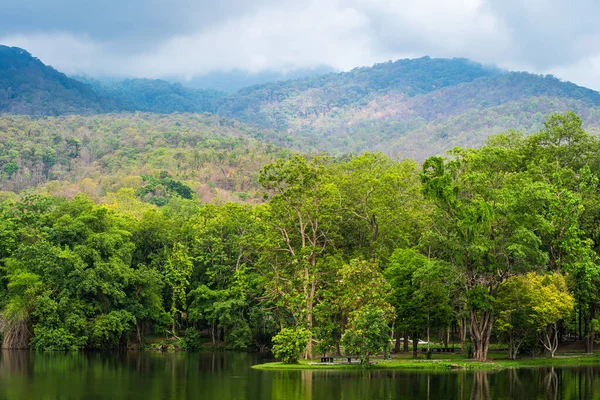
232,81
159,96
27,86
412,107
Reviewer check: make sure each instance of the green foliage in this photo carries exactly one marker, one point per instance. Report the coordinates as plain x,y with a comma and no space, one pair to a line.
159,191
530,305
109,330
369,334
192,340
10,168
56,339
239,336
178,270
340,247
289,344
420,294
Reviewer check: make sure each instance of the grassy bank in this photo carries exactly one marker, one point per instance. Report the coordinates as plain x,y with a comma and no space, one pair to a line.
445,364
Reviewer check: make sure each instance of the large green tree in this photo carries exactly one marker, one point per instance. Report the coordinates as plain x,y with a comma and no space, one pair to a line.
477,196
304,210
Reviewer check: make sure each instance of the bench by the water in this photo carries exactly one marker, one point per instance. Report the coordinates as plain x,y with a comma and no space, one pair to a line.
443,350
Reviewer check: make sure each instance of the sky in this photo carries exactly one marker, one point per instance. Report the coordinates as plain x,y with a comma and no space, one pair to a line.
188,38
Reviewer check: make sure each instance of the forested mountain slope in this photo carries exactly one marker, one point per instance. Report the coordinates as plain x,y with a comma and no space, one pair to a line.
407,108
158,96
27,86
410,108
216,157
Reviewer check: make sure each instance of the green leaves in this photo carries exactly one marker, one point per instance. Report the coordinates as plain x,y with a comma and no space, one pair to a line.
178,270
368,334
420,290
289,343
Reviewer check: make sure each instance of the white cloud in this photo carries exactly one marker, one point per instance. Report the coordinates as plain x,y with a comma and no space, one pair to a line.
63,51
539,36
584,72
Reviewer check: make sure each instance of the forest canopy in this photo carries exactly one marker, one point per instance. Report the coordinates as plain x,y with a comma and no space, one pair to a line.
335,250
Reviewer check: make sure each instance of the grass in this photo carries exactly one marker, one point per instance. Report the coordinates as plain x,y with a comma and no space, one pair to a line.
447,362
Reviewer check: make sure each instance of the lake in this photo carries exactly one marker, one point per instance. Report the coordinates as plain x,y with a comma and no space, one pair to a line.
228,376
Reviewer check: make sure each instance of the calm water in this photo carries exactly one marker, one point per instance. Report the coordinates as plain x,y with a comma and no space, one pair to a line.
228,376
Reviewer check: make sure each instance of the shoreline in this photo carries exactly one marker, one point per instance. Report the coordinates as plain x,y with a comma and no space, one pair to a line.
442,364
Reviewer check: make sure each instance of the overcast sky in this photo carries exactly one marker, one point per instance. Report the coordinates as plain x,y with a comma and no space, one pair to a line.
187,38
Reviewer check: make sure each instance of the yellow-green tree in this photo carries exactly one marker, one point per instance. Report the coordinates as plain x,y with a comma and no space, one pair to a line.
551,302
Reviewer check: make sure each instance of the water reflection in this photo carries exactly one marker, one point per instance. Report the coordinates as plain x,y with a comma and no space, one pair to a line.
228,376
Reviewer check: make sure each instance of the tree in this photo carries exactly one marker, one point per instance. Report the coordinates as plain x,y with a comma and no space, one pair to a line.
303,210
382,204
359,285
178,270
369,334
477,196
551,302
420,293
512,312
532,304
289,344
226,284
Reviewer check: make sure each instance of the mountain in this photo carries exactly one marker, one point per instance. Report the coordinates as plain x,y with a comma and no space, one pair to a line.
159,96
407,108
27,86
232,81
413,108
216,157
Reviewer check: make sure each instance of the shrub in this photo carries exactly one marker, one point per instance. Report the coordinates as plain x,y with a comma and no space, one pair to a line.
239,337
192,339
368,335
289,344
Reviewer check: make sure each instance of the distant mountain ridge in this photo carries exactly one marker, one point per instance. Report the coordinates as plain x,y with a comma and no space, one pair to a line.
410,107
27,86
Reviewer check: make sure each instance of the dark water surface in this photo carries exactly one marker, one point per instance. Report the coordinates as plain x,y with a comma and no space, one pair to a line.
228,376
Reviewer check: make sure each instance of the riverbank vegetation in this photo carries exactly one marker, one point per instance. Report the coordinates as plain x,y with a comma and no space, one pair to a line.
498,242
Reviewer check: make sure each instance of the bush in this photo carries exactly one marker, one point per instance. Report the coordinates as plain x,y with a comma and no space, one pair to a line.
239,337
289,344
191,340
368,335
49,339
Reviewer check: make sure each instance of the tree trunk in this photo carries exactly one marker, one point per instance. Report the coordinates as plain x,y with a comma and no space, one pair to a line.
406,344
309,322
589,330
212,333
415,346
550,341
513,348
139,332
481,332
463,332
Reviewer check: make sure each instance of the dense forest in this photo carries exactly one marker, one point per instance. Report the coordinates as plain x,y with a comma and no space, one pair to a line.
217,157
496,243
407,108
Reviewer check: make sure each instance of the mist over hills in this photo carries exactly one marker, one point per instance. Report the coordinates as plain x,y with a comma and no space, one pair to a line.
411,107
28,86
